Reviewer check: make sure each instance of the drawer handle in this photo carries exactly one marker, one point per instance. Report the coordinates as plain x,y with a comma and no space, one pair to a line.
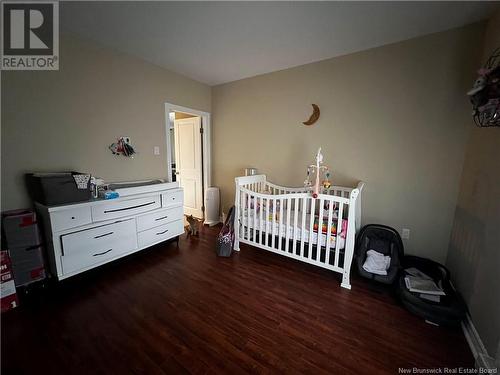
129,208
161,218
104,235
104,252
165,231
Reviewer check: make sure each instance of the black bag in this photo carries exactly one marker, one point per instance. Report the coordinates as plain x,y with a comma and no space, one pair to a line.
225,240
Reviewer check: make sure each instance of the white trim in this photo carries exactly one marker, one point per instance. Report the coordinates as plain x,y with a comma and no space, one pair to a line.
481,356
207,144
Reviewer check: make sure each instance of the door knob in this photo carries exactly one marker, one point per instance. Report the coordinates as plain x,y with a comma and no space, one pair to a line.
177,172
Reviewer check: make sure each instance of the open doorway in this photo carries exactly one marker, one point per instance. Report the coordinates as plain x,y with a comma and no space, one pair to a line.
188,159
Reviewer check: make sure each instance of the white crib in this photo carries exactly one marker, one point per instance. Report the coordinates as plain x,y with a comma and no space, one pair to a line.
289,221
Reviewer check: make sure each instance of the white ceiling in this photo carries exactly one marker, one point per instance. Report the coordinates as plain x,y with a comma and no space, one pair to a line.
218,42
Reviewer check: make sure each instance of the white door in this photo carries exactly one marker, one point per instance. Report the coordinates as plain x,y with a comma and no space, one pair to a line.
187,134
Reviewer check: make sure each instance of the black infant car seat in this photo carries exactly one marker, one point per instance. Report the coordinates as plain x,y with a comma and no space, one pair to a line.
451,309
385,240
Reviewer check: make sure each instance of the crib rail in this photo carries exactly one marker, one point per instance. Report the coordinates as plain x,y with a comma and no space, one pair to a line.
290,222
259,183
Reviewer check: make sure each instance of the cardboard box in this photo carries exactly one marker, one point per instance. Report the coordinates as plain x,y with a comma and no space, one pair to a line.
27,264
20,228
24,242
8,295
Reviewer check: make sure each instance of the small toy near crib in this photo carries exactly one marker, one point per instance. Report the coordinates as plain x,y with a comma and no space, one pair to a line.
313,224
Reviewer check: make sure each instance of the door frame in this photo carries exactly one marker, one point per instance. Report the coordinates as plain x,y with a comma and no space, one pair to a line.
206,142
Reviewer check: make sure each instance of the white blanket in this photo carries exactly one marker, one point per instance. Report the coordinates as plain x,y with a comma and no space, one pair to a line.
294,229
376,262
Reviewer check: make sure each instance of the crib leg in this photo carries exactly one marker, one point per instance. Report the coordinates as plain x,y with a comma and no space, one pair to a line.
236,246
345,280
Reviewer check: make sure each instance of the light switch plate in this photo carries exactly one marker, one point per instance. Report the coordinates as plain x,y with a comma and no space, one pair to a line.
156,150
405,234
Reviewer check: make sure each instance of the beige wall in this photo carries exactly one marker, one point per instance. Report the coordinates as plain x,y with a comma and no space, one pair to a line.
474,252
66,119
395,117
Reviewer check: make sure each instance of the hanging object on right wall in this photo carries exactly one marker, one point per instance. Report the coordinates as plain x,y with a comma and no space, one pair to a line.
314,117
485,94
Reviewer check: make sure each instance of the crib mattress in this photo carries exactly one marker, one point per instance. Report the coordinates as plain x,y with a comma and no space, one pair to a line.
267,227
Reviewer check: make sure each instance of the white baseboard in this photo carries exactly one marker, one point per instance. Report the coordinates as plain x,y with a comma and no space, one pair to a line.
481,357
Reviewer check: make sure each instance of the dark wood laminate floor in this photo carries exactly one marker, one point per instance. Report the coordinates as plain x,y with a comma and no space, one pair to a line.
183,310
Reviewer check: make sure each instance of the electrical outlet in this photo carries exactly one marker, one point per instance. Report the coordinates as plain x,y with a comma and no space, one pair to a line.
156,150
405,234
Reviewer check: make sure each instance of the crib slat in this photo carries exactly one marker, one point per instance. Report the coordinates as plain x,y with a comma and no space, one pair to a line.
239,218
249,199
261,208
339,234
329,232
287,234
242,213
254,200
312,211
280,230
295,224
266,219
320,230
245,213
303,226
243,207
273,219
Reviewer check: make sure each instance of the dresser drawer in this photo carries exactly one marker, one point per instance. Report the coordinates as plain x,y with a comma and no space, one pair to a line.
121,208
172,198
87,247
70,218
161,233
157,218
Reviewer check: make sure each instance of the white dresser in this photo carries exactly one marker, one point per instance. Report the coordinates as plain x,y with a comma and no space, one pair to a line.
85,235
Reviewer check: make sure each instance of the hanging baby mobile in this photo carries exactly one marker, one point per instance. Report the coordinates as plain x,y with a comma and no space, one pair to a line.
485,94
318,170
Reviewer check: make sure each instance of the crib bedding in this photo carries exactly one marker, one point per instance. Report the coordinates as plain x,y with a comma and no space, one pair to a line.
293,228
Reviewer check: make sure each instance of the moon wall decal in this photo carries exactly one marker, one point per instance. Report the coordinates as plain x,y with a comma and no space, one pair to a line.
314,117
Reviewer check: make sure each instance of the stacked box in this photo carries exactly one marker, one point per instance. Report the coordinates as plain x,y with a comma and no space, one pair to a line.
22,236
8,295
